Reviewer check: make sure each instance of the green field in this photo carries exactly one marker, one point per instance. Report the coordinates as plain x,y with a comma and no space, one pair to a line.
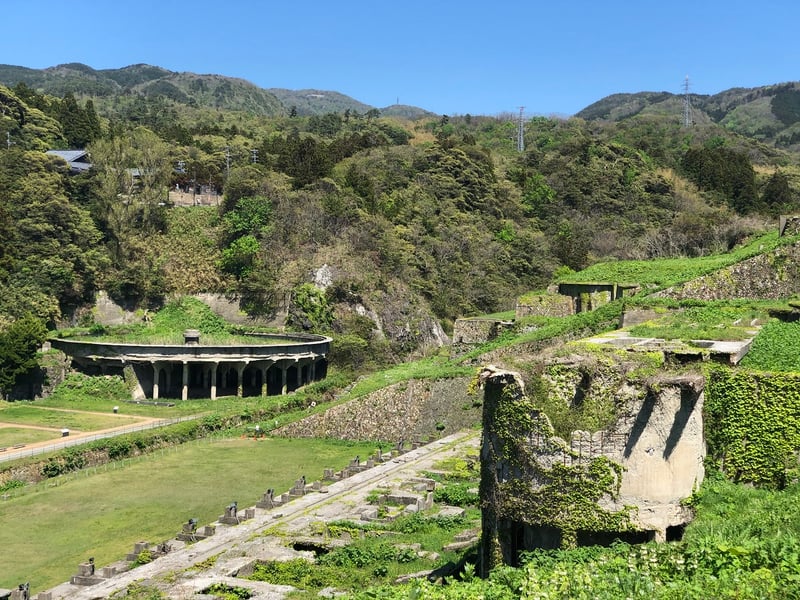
74,420
9,436
47,530
775,347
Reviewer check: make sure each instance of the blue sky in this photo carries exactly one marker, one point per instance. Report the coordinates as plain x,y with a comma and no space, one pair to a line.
450,57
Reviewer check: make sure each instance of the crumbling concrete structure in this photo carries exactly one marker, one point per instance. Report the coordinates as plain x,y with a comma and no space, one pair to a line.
271,365
625,481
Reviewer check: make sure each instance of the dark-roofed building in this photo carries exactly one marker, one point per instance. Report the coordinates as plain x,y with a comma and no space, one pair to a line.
78,160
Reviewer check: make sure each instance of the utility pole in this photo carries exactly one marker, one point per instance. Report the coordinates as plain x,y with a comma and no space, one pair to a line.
521,131
8,140
227,161
687,105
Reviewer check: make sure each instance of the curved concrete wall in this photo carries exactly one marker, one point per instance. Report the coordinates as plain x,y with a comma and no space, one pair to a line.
205,370
296,346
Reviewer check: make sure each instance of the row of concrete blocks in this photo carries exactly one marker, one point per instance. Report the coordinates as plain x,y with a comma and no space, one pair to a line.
88,575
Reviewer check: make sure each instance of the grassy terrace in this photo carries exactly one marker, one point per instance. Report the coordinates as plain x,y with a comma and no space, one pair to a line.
29,414
665,272
11,436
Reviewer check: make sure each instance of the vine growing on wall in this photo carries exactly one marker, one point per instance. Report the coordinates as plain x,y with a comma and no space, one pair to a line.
752,424
524,448
568,500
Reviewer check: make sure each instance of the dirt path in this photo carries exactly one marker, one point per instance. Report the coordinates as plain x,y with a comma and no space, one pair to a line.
76,438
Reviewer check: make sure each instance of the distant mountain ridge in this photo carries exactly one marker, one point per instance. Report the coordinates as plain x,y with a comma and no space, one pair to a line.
216,91
769,113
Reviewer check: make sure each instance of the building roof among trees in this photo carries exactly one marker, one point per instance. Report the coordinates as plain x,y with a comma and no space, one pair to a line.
77,159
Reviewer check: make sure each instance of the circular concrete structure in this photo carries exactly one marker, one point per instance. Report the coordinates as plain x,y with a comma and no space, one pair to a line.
194,370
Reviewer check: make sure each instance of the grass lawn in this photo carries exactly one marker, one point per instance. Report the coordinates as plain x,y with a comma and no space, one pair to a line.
102,394
76,421
48,530
9,436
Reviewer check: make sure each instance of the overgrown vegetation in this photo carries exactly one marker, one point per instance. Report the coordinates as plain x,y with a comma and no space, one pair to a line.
381,233
663,272
708,321
744,543
378,553
412,223
751,424
775,347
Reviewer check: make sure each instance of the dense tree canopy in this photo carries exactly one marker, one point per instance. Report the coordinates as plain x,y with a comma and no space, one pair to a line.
440,217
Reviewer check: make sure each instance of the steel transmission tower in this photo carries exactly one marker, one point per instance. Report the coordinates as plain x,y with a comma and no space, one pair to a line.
687,105
521,131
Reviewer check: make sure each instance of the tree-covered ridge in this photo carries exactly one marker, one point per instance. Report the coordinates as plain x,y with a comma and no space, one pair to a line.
412,223
189,89
769,113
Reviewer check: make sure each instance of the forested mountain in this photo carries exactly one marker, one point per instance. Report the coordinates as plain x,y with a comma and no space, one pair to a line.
379,230
190,89
769,113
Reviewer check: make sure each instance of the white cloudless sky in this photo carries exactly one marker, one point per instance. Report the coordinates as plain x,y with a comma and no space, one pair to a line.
449,57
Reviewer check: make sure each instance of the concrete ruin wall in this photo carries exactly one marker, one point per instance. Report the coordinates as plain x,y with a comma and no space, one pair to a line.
544,305
414,410
651,458
789,225
471,332
475,331
773,275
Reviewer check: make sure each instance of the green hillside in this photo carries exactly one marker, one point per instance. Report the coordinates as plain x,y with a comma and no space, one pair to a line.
768,113
405,225
190,89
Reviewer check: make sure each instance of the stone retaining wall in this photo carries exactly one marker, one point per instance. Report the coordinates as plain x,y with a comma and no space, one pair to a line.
412,410
773,275
545,305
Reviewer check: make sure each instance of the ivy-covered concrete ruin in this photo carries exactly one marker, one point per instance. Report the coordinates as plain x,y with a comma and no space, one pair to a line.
625,479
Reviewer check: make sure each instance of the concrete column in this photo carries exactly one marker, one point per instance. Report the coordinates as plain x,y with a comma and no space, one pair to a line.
156,375
313,370
239,378
185,382
299,367
284,387
168,371
214,380
264,371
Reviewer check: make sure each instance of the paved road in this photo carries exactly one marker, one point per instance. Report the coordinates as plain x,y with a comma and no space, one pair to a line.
233,547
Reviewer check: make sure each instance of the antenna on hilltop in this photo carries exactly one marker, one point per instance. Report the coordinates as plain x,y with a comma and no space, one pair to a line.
687,105
520,131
